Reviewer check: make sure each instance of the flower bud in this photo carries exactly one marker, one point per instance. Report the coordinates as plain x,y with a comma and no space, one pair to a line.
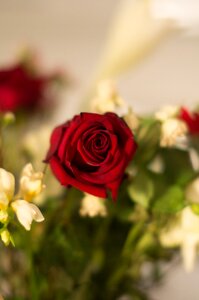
3,216
8,119
5,237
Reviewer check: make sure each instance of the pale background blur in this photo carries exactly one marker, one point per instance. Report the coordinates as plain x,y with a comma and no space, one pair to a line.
71,35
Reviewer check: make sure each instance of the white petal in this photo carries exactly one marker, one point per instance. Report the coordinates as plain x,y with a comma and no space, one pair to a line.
31,184
36,213
27,212
7,183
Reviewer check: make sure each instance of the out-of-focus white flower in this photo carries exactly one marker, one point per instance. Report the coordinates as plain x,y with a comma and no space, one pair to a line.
7,186
131,119
31,183
185,233
171,130
36,142
107,99
192,191
166,113
92,206
30,186
27,212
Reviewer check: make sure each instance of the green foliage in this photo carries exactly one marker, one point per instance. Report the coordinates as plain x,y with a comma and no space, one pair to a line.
141,189
170,202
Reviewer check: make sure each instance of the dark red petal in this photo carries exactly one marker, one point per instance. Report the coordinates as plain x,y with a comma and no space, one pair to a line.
65,179
55,141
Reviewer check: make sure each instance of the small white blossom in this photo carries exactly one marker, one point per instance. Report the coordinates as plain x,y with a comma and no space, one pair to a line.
107,99
166,113
27,212
31,184
92,206
171,130
185,233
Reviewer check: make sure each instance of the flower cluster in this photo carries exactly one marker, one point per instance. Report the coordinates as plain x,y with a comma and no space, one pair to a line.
30,186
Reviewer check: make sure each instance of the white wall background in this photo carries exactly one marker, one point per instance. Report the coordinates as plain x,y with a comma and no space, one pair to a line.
71,34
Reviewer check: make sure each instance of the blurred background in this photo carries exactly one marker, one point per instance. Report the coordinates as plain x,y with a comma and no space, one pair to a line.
151,49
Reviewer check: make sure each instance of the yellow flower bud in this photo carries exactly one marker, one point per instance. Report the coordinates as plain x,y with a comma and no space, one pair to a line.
3,216
5,237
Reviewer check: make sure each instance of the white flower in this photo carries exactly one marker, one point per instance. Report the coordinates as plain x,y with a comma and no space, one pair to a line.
92,206
185,233
36,142
171,130
166,113
31,184
107,99
192,191
26,212
7,185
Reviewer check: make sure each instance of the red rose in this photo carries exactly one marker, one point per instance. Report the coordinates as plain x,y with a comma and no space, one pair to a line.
191,119
21,89
91,152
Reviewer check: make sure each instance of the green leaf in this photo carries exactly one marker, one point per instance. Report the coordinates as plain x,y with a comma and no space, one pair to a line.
147,137
183,171
170,202
142,189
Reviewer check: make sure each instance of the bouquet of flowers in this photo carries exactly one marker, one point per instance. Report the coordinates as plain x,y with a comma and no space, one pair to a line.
115,195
